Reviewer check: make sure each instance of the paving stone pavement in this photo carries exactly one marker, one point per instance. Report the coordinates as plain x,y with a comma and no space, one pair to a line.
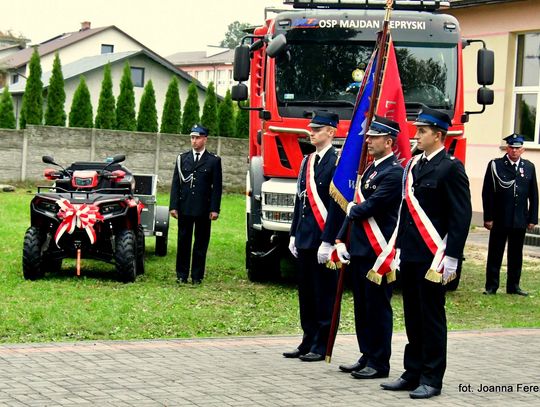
250,371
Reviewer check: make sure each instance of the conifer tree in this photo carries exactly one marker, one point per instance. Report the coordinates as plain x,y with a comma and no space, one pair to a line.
242,122
209,117
191,109
80,114
147,117
172,114
226,119
32,102
7,116
55,114
106,113
125,106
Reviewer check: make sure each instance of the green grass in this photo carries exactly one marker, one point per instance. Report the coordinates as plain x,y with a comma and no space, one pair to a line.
63,307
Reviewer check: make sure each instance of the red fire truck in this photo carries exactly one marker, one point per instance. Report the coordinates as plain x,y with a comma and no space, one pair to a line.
313,57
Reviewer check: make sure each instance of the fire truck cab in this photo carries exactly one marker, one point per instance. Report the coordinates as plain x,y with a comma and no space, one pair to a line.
313,57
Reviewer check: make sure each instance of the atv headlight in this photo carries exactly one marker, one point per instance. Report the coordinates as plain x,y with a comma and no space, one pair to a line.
113,208
44,205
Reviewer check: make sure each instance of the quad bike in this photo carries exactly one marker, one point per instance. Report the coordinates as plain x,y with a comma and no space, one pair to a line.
90,211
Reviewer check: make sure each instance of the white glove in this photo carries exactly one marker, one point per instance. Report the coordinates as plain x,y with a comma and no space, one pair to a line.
343,254
450,265
397,259
349,207
323,254
292,247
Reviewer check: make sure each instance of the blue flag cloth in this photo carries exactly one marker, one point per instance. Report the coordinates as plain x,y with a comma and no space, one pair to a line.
343,184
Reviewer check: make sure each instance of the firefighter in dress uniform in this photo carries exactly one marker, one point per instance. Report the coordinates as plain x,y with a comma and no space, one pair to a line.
510,200
195,202
432,229
316,221
374,214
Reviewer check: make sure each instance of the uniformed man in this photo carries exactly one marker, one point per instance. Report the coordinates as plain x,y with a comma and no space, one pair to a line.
510,200
316,221
195,202
432,230
374,213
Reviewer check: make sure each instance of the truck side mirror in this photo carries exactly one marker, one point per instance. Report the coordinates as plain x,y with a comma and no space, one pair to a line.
241,63
484,96
239,92
276,46
485,67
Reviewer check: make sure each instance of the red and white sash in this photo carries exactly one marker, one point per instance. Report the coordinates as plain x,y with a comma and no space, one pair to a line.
385,251
431,237
317,206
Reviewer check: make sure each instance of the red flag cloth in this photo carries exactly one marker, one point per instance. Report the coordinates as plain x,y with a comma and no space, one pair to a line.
391,104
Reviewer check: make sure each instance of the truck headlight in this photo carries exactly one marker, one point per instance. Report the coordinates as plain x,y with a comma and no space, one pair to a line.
278,216
275,199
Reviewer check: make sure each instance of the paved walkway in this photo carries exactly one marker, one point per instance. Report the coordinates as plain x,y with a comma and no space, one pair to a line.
480,236
252,372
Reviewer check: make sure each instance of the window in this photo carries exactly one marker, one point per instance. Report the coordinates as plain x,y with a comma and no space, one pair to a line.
14,78
107,48
137,77
527,86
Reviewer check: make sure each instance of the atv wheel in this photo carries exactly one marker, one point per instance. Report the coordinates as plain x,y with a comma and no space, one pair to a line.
161,245
125,256
32,256
140,249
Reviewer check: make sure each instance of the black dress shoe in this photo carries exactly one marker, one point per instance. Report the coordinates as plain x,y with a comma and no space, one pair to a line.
355,367
195,282
181,280
424,392
518,291
399,384
293,354
490,292
311,357
369,373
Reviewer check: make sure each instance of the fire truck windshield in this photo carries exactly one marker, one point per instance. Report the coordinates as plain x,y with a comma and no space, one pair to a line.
324,74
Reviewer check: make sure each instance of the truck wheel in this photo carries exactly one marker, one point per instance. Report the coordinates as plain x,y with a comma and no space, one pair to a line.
140,249
261,265
32,256
125,256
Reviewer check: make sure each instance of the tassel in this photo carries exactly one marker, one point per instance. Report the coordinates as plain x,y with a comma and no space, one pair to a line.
391,276
375,277
434,276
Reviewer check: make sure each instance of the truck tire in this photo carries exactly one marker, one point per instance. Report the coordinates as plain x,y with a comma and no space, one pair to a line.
140,249
32,257
261,265
125,256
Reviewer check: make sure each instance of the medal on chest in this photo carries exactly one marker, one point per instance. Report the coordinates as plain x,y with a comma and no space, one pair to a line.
370,178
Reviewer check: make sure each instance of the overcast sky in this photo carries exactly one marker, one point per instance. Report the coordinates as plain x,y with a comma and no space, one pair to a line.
165,26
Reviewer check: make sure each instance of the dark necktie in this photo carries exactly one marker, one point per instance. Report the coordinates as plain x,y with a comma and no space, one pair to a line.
197,157
317,158
515,167
421,163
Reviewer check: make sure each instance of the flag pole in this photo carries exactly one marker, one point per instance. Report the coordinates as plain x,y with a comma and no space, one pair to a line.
382,45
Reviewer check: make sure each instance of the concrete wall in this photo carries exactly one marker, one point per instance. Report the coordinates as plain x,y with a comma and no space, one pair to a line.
146,153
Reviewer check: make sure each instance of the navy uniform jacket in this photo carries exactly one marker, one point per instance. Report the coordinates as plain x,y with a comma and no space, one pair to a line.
509,207
442,189
202,195
383,196
304,226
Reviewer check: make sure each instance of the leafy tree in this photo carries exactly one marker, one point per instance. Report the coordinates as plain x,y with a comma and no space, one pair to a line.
242,122
106,113
7,116
80,114
209,117
32,102
172,114
55,114
226,116
235,32
191,109
147,117
125,107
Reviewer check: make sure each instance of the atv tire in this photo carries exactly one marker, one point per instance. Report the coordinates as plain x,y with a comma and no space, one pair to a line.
32,256
125,256
140,249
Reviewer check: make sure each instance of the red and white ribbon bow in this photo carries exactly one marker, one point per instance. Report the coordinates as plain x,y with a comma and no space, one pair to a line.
82,216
